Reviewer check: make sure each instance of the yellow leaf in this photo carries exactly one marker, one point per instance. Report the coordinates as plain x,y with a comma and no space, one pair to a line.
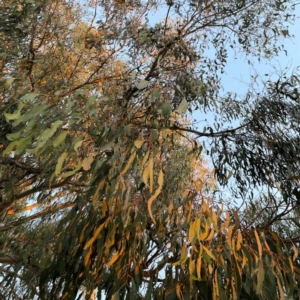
95,235
151,173
178,291
197,226
244,261
64,296
215,220
239,240
296,253
204,235
291,265
82,232
216,287
130,160
96,195
145,158
146,175
281,292
227,221
87,257
161,178
150,201
86,163
138,143
191,266
258,243
211,235
184,252
115,257
199,267
199,185
209,252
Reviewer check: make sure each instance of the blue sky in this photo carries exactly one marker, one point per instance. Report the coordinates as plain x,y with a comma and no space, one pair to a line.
238,72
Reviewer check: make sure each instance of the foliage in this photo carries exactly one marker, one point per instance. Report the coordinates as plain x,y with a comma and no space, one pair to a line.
103,183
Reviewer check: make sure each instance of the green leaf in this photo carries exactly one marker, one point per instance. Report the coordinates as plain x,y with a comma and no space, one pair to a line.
133,74
28,97
155,95
60,162
182,106
31,114
8,83
60,139
142,84
13,136
20,145
166,109
78,145
16,115
47,134
70,173
154,135
260,277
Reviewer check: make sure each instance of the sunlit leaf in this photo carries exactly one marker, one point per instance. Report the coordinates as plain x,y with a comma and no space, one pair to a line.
86,163
182,106
60,162
16,115
142,84
138,143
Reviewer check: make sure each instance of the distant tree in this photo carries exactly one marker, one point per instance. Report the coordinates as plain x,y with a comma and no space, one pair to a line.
104,188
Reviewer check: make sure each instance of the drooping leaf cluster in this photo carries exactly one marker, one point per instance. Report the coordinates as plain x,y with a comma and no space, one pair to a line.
103,184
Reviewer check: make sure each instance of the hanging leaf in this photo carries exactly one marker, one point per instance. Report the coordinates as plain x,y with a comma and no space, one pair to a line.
150,201
115,257
151,173
13,136
182,106
28,97
60,162
86,163
130,160
198,268
58,140
166,109
146,174
70,173
138,143
8,83
142,84
78,145
161,178
16,115
95,235
260,277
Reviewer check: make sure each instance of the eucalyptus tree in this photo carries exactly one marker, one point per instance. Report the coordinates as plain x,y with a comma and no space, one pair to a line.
96,146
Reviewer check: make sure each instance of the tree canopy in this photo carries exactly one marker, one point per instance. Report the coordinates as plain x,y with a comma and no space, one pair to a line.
105,189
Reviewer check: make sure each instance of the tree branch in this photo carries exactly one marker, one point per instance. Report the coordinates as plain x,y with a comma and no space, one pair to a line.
37,215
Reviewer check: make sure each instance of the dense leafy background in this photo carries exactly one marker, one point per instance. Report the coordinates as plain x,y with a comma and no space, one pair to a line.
104,190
